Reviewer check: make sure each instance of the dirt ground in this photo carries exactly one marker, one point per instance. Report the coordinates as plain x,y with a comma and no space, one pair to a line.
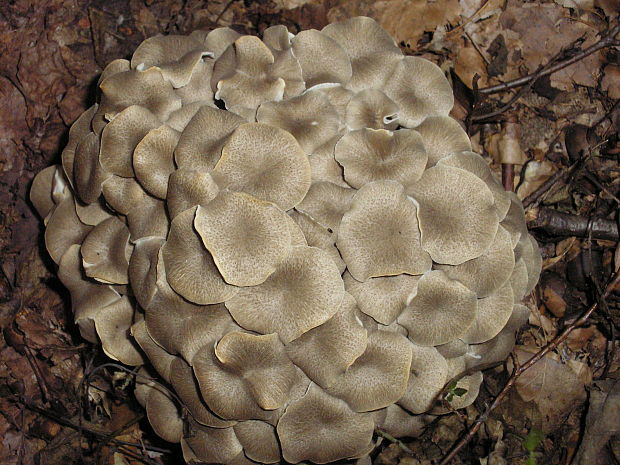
544,74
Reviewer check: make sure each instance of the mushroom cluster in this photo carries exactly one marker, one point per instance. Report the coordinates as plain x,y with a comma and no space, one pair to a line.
292,237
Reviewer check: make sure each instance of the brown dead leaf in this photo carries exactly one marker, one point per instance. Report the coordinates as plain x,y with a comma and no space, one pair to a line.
405,20
544,30
601,423
611,81
468,63
554,386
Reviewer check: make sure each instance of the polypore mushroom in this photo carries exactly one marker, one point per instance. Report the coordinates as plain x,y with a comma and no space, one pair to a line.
319,259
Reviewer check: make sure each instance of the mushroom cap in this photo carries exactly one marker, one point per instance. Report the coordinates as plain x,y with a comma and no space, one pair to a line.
371,108
321,58
187,188
87,170
218,40
105,252
383,298
121,194
265,162
190,268
488,272
42,188
64,229
259,440
321,428
112,324
226,390
429,373
247,237
147,217
369,155
372,51
324,166
458,221
492,314
243,79
186,386
318,236
182,327
309,117
147,89
87,297
420,90
161,409
326,203
121,136
379,376
174,55
400,423
487,354
469,383
77,131
210,445
442,137
305,291
158,357
153,159
442,310
379,235
263,357
475,164
329,350
200,144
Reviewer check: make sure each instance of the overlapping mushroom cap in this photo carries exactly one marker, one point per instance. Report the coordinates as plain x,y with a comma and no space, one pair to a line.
293,233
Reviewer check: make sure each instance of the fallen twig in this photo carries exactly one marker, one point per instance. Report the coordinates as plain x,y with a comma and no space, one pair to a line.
558,224
608,40
520,369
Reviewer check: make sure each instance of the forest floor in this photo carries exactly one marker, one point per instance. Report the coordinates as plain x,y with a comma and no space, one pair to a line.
537,84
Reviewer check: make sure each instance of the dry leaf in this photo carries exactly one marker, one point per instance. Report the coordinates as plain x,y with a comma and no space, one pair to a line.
554,386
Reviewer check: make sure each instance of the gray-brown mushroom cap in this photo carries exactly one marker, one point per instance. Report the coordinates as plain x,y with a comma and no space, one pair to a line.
379,236
265,162
153,159
488,272
475,164
112,325
305,291
326,352
369,155
458,221
429,373
372,51
321,58
383,298
321,428
210,445
64,229
190,268
442,310
187,188
247,237
326,203
491,316
379,376
105,252
200,144
371,108
420,90
310,118
243,78
259,440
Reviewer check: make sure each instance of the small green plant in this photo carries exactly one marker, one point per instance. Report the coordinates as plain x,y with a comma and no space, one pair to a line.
452,391
530,443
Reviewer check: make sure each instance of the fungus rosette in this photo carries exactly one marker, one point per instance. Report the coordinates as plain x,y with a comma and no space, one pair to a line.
292,235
